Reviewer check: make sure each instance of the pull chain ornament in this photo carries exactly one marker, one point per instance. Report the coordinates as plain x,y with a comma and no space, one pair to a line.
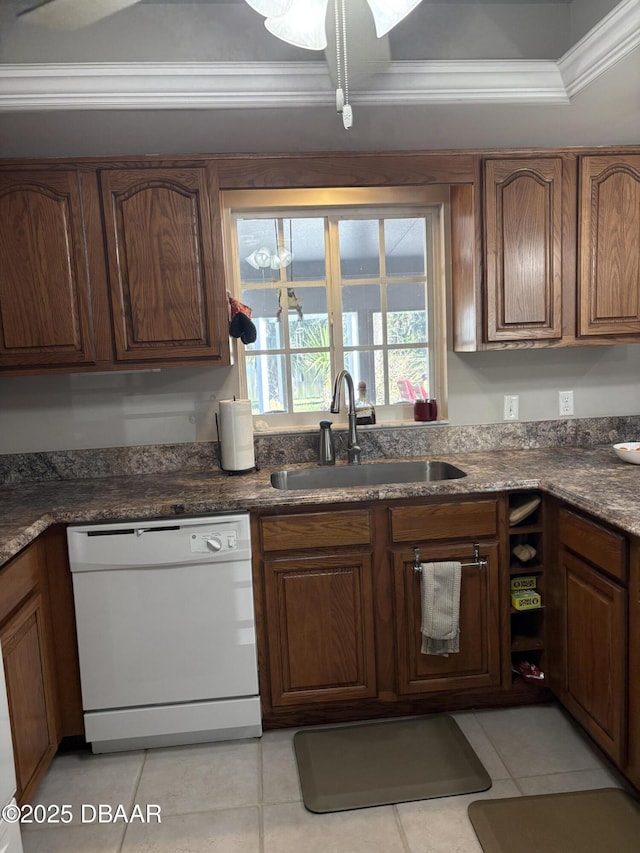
342,94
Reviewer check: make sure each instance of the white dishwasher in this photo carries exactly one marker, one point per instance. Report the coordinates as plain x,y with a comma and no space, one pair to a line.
166,631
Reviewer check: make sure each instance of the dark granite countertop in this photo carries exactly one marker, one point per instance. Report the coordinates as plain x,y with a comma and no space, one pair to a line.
592,479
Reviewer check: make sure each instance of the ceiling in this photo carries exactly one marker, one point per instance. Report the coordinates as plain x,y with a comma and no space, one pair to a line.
185,77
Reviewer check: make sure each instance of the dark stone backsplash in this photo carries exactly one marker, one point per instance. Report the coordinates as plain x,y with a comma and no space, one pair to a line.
273,450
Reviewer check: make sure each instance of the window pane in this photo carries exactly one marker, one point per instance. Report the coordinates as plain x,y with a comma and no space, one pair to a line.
311,381
308,317
266,383
359,248
264,306
304,238
408,374
362,367
404,244
257,244
406,313
361,325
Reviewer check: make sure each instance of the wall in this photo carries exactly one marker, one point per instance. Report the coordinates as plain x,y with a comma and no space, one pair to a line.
178,405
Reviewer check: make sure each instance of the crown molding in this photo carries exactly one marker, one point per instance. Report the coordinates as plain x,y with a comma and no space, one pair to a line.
270,85
261,85
615,36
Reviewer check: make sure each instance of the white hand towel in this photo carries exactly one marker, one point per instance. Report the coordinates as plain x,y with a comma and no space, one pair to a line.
440,600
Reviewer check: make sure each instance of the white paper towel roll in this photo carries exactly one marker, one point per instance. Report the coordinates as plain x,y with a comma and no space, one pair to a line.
236,435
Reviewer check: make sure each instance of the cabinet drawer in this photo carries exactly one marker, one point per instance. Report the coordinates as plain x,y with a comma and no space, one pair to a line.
316,530
18,579
602,547
444,521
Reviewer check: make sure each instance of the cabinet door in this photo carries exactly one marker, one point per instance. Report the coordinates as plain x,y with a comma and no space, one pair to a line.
477,664
44,271
320,628
523,247
609,284
167,290
30,694
595,625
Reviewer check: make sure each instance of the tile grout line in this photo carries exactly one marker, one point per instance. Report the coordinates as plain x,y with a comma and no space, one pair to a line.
495,748
133,797
403,836
261,828
260,796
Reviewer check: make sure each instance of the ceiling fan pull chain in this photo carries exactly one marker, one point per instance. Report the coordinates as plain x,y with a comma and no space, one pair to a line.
339,90
347,112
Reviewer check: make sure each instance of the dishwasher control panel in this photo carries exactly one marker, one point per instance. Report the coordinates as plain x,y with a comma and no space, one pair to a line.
212,541
166,542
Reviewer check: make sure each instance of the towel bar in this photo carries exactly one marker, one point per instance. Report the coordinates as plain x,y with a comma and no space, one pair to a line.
478,561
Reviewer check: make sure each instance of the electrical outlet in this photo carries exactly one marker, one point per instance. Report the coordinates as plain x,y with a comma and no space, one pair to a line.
511,406
566,403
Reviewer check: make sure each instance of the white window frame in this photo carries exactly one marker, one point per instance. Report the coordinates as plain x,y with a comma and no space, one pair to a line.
432,202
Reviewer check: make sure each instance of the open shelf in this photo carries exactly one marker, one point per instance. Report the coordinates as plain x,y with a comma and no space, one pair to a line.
526,644
519,569
527,639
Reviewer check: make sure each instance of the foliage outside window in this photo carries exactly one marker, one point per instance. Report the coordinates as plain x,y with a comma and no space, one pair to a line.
359,287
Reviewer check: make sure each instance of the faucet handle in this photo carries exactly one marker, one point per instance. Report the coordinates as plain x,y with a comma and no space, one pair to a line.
353,454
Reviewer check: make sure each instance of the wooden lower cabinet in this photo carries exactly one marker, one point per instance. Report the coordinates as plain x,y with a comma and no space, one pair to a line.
595,653
31,693
338,606
321,640
29,664
589,617
478,662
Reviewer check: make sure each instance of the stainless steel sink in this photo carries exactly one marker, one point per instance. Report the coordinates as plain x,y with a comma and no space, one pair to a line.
368,474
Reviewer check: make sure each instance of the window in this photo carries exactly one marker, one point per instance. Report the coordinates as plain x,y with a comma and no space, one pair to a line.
356,282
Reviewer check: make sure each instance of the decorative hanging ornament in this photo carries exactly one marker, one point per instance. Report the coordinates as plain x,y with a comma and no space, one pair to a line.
260,258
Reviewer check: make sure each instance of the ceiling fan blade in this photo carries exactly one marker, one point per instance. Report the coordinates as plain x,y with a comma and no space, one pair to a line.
72,14
367,54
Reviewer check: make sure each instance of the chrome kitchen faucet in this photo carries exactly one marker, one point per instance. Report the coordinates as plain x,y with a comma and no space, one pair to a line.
353,448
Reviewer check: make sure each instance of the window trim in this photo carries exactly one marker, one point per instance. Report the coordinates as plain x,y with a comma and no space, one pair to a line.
369,202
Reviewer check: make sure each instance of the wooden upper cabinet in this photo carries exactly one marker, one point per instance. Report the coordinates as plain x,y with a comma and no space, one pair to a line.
164,245
523,249
609,280
45,311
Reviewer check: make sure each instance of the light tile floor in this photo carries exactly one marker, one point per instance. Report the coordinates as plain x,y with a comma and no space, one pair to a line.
244,796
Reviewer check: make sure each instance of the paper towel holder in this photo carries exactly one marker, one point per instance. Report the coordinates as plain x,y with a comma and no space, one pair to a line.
231,473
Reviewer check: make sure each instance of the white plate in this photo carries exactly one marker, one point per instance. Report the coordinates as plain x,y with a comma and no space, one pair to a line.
629,451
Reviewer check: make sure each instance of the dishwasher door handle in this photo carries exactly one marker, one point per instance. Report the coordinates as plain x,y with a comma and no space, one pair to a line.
141,530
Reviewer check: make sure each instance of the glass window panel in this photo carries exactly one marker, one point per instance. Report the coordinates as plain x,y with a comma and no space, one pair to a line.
257,243
266,383
311,381
362,367
308,317
406,313
304,238
359,248
264,306
408,374
404,245
361,315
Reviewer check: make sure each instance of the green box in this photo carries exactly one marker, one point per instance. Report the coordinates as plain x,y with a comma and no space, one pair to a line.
526,600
